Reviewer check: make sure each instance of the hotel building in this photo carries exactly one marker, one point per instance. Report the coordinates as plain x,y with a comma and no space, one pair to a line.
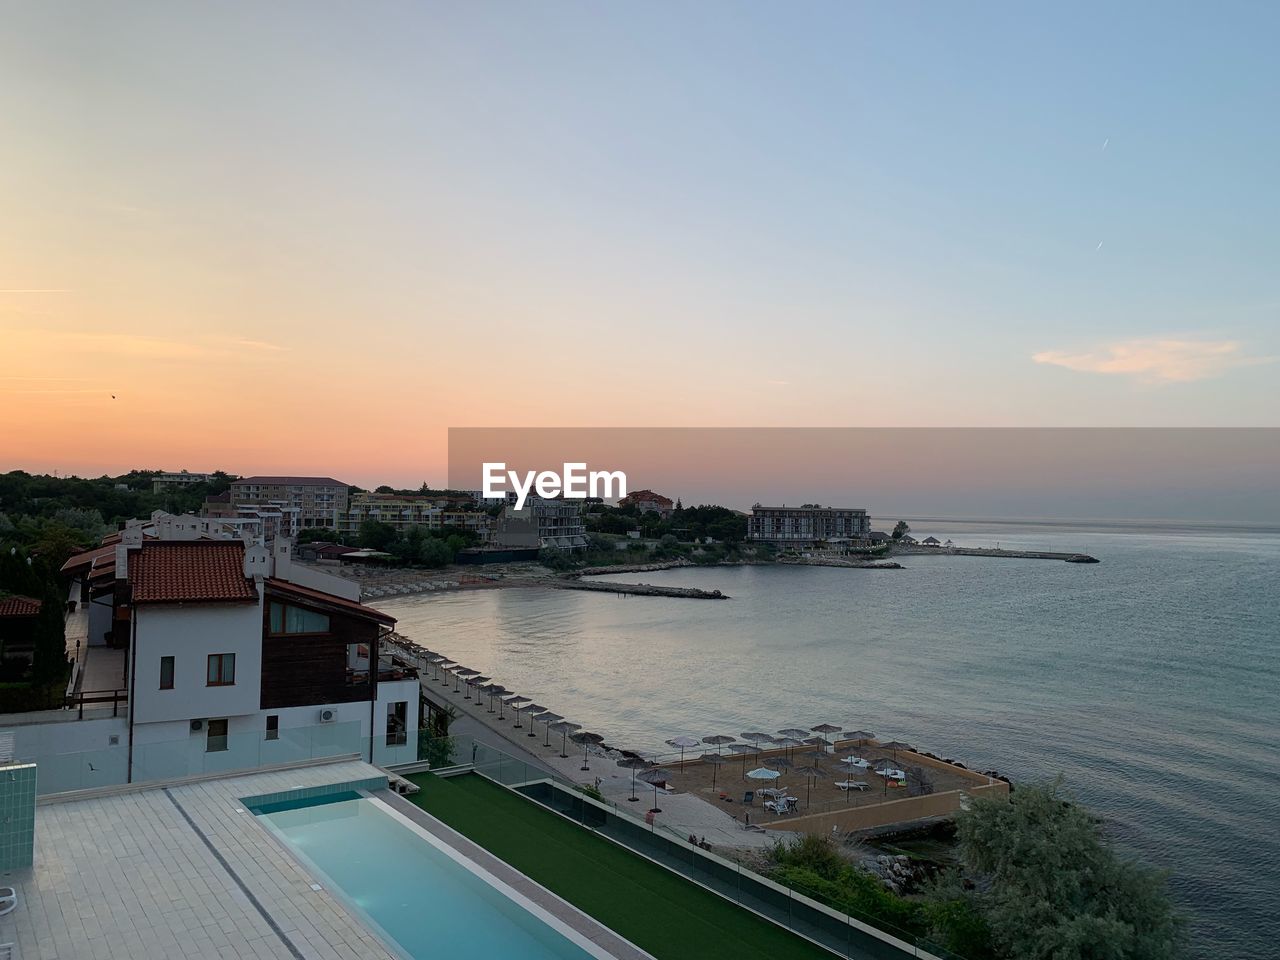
320,500
807,525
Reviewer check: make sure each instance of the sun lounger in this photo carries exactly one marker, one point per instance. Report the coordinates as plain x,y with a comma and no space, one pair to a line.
852,785
781,805
8,900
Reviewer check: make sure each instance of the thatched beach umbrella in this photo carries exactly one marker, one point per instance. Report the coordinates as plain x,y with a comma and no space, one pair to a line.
810,774
862,736
528,710
475,683
715,760
718,740
789,743
445,666
634,763
548,718
744,750
758,737
778,763
465,674
585,738
492,690
656,776
513,700
794,733
824,728
683,743
564,728
435,659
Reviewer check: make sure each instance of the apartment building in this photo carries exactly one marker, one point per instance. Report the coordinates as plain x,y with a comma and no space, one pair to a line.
402,511
180,478
807,525
320,500
542,523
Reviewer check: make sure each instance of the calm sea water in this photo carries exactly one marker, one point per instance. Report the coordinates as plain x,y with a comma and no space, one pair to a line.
1150,682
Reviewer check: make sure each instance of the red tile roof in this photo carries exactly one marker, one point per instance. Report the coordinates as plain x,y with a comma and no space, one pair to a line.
306,594
204,571
646,496
83,561
16,605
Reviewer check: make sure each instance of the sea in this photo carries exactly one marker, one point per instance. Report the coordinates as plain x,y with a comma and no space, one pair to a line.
1148,684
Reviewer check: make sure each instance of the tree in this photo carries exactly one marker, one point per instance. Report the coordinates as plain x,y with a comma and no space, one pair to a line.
377,535
900,529
1057,890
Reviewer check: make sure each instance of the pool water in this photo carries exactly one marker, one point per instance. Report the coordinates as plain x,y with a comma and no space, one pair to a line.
415,893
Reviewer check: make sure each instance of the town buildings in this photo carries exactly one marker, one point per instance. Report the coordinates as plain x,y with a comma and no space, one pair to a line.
181,478
543,522
807,526
426,510
320,500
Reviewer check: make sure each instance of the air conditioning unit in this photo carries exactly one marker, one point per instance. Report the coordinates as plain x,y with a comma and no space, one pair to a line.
328,715
197,725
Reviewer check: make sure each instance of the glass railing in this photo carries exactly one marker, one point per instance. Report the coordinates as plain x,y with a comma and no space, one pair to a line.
803,911
189,756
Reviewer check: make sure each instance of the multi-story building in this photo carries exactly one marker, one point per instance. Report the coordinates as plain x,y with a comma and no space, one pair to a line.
807,526
542,523
402,511
182,478
646,501
320,500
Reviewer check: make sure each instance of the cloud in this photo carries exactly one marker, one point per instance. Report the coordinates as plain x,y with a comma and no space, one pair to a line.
1157,360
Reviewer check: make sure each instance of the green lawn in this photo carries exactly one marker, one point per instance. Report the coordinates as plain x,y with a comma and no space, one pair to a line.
655,909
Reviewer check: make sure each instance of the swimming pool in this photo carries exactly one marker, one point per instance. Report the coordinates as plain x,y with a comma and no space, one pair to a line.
419,894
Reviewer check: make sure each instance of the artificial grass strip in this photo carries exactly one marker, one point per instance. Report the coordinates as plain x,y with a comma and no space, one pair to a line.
657,910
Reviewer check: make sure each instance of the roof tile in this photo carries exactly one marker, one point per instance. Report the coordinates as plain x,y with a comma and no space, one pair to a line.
190,571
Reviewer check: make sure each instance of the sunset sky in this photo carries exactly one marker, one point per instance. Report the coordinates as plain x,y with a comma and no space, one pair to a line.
309,238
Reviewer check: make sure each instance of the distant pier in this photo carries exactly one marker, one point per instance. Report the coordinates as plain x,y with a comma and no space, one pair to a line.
918,551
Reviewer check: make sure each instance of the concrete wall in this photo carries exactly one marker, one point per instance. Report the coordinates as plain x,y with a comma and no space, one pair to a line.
189,633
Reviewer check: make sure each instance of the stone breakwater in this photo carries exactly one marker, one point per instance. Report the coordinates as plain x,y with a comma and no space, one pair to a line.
636,589
837,562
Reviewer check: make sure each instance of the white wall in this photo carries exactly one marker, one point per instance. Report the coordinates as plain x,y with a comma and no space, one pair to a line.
73,754
190,633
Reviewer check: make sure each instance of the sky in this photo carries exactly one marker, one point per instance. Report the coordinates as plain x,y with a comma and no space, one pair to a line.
310,238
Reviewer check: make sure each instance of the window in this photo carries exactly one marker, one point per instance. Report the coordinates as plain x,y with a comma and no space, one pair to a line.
222,670
217,738
397,723
273,727
166,673
287,619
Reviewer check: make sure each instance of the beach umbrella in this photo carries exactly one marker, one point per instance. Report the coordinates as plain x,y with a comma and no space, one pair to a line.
465,673
655,776
757,736
475,683
895,746
683,743
795,733
778,763
744,750
435,660
634,763
494,690
718,740
564,728
763,773
446,665
548,718
529,709
824,728
862,736
810,774
586,739
511,700
715,760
